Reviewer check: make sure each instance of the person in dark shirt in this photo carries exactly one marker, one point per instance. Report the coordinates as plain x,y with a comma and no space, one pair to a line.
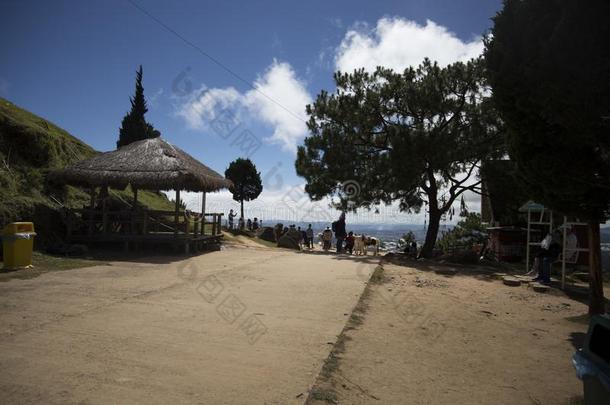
339,229
349,242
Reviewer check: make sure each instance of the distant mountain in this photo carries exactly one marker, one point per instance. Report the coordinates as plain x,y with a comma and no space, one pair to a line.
31,146
385,232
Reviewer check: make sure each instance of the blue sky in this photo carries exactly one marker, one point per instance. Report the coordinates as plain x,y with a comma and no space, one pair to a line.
73,62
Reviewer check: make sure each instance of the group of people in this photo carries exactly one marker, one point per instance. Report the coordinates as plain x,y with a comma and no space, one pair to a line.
344,241
306,237
251,225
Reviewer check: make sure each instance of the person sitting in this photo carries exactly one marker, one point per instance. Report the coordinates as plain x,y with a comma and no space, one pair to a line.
551,248
309,233
327,236
349,242
255,225
411,249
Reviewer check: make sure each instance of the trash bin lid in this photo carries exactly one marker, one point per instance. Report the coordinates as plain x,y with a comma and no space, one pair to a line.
18,227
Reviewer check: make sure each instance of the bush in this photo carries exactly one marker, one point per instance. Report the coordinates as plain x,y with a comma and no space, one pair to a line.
468,232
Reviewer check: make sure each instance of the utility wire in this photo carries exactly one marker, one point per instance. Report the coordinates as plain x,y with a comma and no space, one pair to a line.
210,57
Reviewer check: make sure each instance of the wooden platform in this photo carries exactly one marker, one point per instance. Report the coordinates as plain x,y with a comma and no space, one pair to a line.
134,228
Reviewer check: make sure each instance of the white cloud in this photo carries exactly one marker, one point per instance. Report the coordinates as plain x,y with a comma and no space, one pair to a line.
278,100
205,105
399,43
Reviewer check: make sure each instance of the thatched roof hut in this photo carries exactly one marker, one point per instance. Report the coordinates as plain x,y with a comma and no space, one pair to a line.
150,164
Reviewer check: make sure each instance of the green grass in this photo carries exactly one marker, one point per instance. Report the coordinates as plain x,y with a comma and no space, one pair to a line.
44,263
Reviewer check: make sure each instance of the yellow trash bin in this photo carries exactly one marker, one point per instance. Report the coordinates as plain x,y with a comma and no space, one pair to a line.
17,245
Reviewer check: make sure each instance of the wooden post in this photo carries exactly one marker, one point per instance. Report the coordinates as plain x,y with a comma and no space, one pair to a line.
133,221
68,226
135,197
527,247
145,222
596,281
563,253
177,212
91,197
104,216
203,213
213,224
90,214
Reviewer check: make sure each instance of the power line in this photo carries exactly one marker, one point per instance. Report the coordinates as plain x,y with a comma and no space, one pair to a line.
210,57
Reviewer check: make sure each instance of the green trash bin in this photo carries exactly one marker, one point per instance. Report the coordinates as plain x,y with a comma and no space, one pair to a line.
592,362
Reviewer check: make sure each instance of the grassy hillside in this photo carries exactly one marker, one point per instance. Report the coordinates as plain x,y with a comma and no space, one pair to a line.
30,146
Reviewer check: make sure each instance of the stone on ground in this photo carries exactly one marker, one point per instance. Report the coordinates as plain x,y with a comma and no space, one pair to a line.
511,281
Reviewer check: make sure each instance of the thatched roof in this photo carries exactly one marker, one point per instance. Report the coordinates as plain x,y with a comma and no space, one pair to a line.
150,164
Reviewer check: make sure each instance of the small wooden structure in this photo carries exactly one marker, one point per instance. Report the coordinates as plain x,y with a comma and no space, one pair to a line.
507,243
150,164
544,219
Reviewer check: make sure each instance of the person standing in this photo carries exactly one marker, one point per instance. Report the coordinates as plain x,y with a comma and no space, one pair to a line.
301,237
309,233
339,229
231,215
255,224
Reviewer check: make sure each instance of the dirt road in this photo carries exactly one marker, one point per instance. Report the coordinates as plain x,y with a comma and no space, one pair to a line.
428,338
239,326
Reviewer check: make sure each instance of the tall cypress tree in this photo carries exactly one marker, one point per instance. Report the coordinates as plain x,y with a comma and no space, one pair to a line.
134,126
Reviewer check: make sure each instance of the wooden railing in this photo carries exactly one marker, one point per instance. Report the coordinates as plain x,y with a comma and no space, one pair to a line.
138,222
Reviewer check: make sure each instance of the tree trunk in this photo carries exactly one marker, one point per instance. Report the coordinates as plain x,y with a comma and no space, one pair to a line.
242,209
596,284
433,224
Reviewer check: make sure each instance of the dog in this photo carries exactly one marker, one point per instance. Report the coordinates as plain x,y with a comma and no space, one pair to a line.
362,243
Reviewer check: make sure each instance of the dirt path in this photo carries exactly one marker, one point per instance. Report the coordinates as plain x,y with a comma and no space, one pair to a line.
426,338
245,325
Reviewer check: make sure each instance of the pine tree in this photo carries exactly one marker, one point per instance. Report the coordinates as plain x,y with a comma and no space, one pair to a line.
416,137
134,126
247,184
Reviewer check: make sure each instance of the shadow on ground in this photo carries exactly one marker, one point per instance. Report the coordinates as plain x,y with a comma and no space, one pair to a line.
486,272
342,256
